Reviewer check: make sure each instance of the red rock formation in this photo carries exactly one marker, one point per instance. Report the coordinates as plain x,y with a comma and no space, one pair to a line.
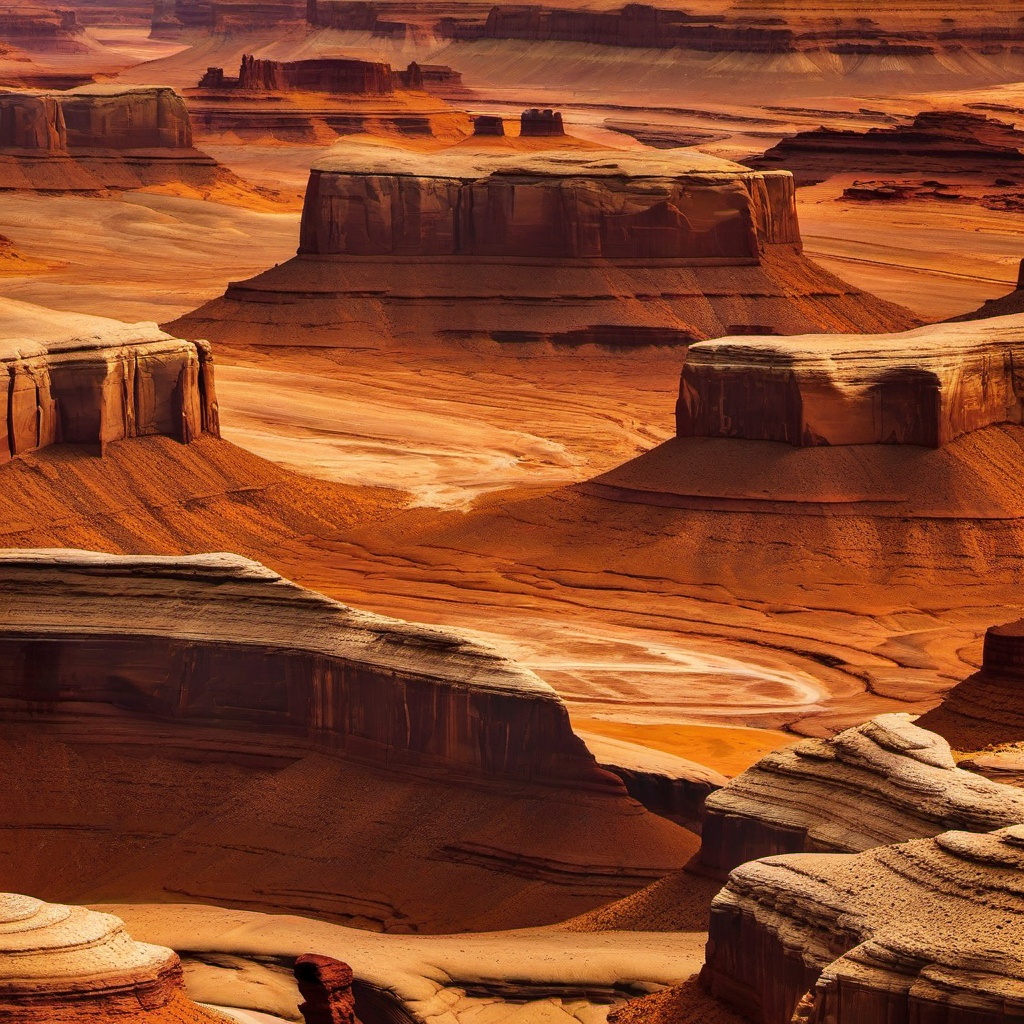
927,930
325,985
32,122
883,782
113,117
94,381
488,124
540,123
330,75
69,965
985,709
41,29
925,387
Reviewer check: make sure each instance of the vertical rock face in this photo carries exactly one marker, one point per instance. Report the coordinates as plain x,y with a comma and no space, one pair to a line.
32,122
325,985
488,124
331,75
925,387
927,930
68,964
536,122
886,781
113,117
986,708
96,381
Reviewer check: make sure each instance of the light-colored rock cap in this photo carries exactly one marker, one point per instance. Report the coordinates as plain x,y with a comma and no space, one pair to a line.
47,947
366,158
223,597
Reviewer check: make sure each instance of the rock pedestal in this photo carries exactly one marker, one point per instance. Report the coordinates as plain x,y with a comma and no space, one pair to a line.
325,985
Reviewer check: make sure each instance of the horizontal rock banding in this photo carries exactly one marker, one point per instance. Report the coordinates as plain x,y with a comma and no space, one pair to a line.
924,387
223,642
882,782
93,381
924,930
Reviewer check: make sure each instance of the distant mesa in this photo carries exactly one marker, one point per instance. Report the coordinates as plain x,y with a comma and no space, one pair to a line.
540,123
61,963
895,933
945,142
882,782
488,124
99,137
331,760
92,381
324,98
572,247
41,29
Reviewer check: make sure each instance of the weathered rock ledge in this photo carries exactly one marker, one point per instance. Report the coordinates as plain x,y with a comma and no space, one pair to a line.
89,380
63,964
924,387
926,930
883,782
223,642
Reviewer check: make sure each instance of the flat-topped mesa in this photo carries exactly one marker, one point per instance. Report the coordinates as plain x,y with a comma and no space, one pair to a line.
923,387
883,782
927,930
986,708
600,205
88,380
223,643
488,124
62,964
330,75
536,123
41,29
94,117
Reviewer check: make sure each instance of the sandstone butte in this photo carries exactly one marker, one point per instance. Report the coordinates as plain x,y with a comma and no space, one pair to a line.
69,965
98,137
882,782
87,380
319,99
294,751
923,930
398,248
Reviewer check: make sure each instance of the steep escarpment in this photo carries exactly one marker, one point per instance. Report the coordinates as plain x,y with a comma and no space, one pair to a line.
68,964
87,380
287,751
883,782
922,930
100,137
570,247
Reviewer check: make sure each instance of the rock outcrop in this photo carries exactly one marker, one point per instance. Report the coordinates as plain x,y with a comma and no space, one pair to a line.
41,29
331,75
85,380
199,727
935,142
925,387
576,247
883,782
68,964
325,985
924,930
985,709
540,123
99,137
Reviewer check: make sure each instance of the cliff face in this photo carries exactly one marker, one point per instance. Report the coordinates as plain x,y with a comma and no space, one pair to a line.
925,387
93,381
567,246
883,782
325,75
63,964
223,642
985,708
925,930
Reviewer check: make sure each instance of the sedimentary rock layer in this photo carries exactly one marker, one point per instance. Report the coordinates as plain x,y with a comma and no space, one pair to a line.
924,930
88,380
985,709
924,387
71,964
575,247
882,782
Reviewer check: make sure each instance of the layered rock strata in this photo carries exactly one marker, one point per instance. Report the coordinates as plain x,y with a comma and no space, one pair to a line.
938,141
41,29
92,381
540,123
68,964
924,930
325,985
924,387
97,137
985,709
603,247
883,782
